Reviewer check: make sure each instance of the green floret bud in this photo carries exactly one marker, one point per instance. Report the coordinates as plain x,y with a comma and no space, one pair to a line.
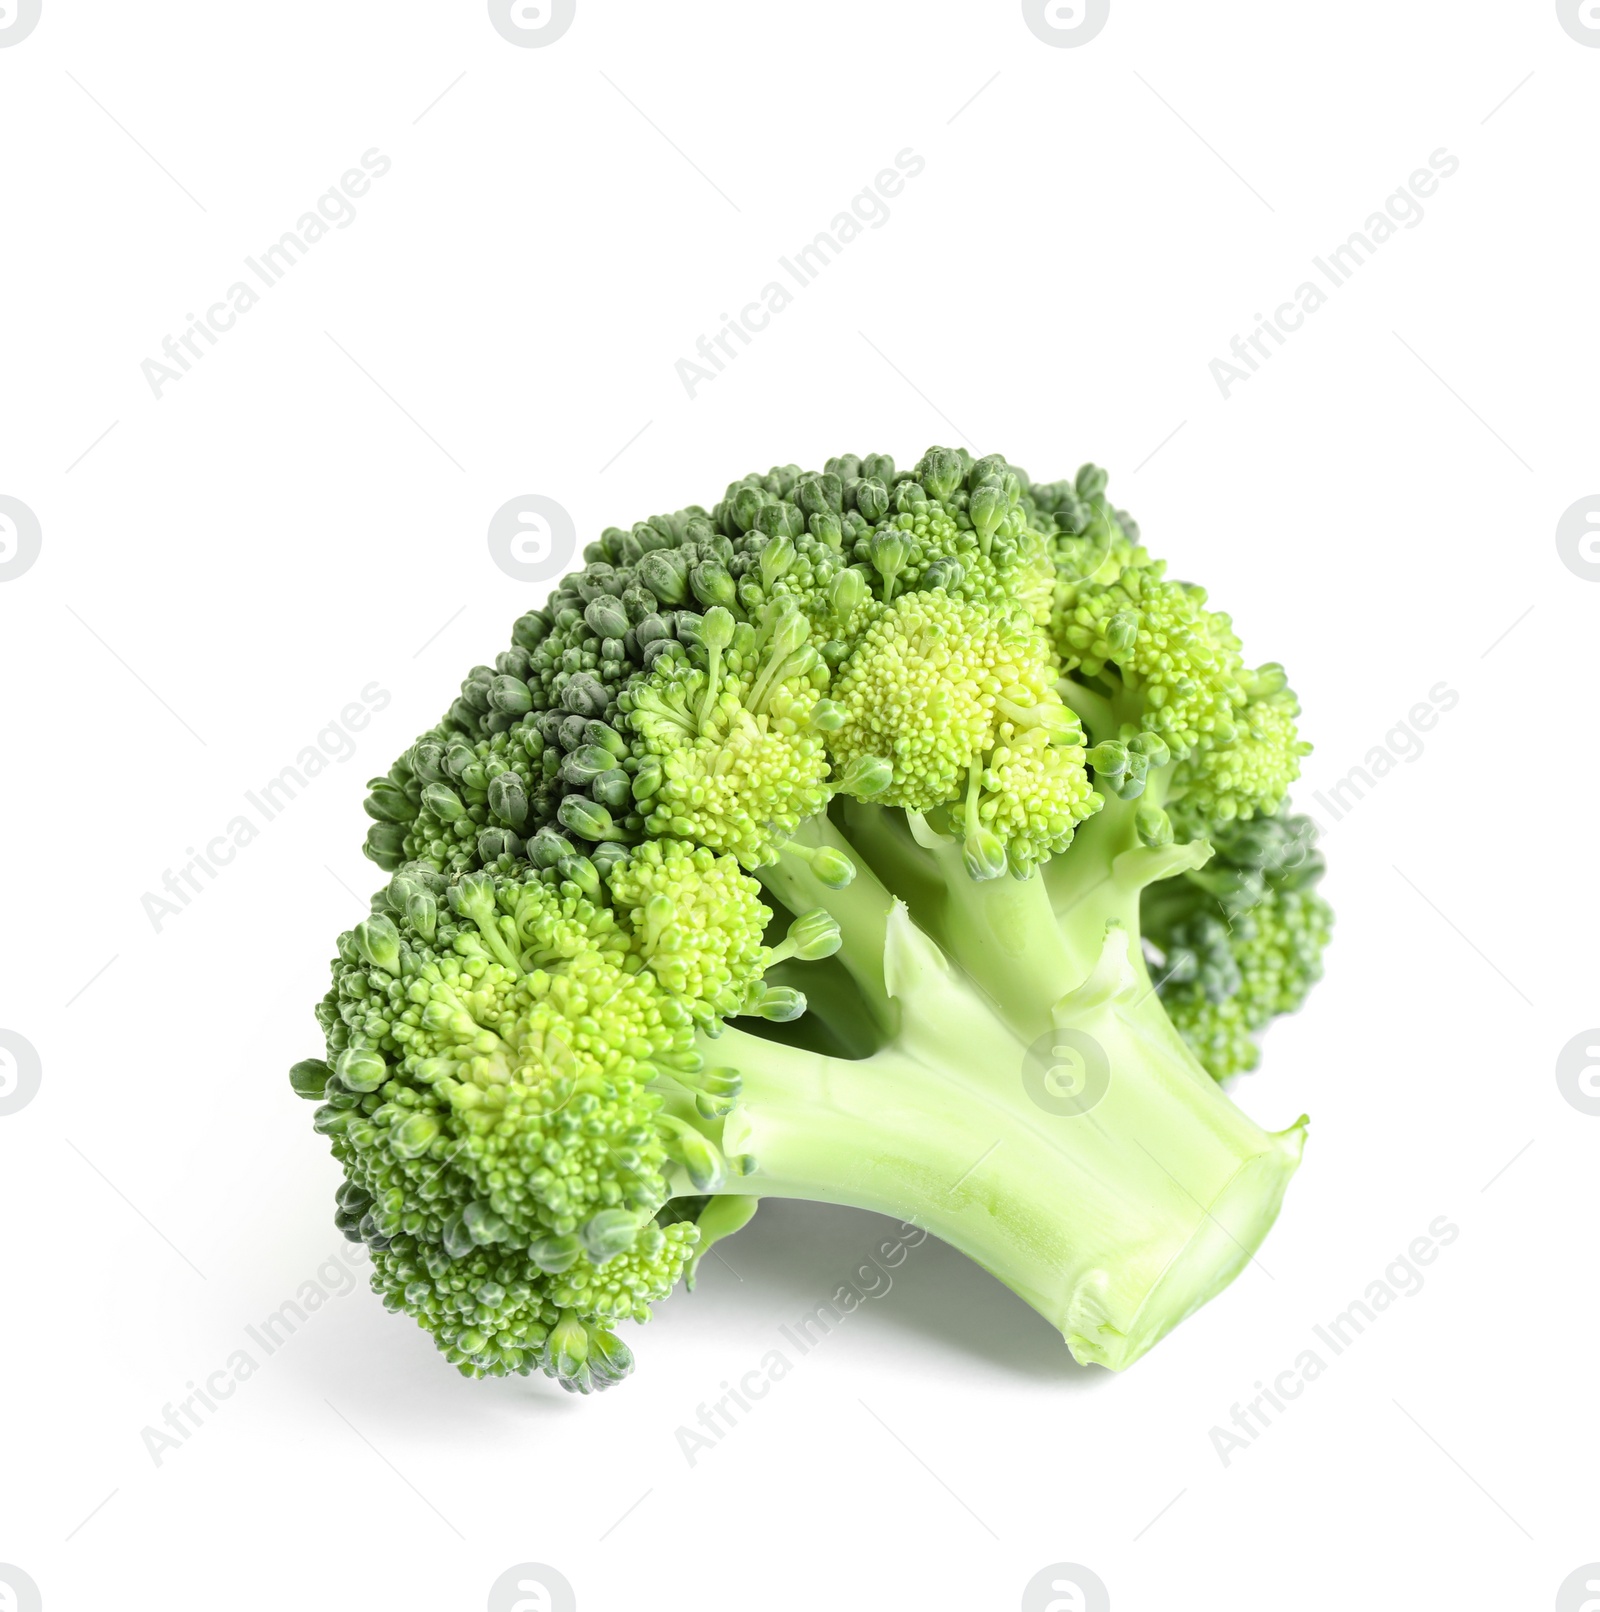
713,587
360,1070
388,803
846,595
871,498
379,942
608,1233
829,866
555,1255
443,802
812,936
568,1348
940,470
414,1136
310,1077
696,1152
385,844
988,506
890,551
1153,826
716,1091
610,1360
587,819
779,1003
984,854
866,776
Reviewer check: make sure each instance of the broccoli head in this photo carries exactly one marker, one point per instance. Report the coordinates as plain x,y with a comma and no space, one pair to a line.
907,840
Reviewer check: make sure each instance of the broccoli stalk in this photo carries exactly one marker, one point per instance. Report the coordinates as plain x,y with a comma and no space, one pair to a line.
1029,1102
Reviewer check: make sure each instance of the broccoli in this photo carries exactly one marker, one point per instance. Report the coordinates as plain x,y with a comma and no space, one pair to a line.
906,840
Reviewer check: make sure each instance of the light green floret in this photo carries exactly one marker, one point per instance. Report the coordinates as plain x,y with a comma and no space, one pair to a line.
920,693
1178,659
1158,676
513,1088
1032,790
1252,774
696,923
947,704
732,754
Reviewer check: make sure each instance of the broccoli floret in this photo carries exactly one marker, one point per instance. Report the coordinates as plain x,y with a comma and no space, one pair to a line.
1239,941
898,839
730,756
504,1070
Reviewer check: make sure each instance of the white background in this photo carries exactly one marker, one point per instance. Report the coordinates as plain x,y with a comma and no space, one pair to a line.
304,514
